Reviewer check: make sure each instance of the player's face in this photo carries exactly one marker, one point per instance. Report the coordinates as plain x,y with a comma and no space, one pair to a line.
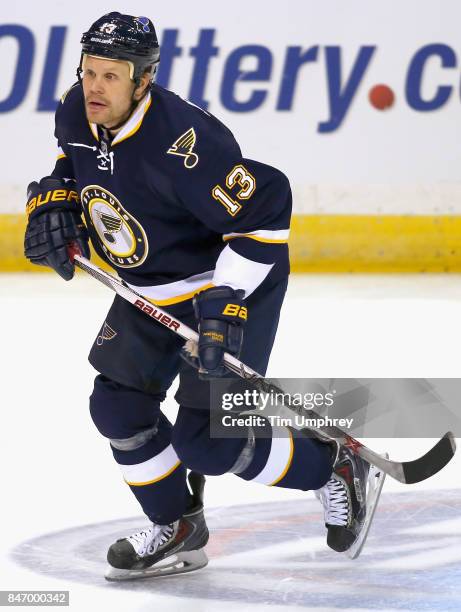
108,90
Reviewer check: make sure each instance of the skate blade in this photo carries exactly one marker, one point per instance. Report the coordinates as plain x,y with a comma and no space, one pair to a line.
180,563
375,484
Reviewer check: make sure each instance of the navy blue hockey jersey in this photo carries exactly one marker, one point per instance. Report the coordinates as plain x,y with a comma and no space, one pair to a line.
170,203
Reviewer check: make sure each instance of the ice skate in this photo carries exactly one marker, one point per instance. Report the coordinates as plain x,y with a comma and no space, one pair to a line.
349,501
161,550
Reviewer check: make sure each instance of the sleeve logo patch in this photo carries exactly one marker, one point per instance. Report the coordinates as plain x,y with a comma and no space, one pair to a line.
184,147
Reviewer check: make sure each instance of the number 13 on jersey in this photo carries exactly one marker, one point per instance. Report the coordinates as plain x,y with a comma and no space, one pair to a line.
238,176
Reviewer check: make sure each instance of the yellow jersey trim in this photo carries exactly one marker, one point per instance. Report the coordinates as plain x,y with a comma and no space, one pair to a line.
258,238
179,298
61,156
148,482
136,127
288,465
94,130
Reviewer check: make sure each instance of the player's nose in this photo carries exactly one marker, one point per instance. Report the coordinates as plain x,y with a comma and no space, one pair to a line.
97,85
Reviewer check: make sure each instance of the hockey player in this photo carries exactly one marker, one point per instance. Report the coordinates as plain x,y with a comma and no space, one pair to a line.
170,203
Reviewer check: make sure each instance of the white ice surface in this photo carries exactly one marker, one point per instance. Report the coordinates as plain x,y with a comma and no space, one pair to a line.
58,472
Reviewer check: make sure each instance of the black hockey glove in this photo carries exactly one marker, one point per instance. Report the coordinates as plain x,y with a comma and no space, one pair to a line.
221,318
53,208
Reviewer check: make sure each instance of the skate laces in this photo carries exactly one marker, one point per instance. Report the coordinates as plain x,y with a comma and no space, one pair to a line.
149,540
333,497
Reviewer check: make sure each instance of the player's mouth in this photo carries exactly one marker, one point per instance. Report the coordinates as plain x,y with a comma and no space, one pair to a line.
96,105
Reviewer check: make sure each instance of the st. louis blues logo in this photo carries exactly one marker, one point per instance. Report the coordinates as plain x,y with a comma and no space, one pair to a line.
121,236
112,225
184,148
107,333
144,21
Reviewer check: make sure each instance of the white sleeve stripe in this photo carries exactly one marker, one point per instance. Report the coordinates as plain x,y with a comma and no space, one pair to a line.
171,293
238,272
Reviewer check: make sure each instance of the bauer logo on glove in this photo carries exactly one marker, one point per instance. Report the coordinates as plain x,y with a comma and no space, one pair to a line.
235,310
52,192
54,223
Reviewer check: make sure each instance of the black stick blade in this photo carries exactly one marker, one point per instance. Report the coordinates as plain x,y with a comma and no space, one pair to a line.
432,462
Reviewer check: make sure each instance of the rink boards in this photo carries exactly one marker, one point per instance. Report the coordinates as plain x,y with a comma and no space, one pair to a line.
327,243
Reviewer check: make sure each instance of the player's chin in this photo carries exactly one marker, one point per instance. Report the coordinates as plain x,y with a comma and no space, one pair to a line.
97,115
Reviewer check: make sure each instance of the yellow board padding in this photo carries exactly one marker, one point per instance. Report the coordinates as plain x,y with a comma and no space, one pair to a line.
325,243
375,244
12,228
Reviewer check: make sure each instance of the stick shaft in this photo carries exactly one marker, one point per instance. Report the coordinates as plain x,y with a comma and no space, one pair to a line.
413,471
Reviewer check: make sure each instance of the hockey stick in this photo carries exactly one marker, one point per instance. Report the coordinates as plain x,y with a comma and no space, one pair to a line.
408,472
